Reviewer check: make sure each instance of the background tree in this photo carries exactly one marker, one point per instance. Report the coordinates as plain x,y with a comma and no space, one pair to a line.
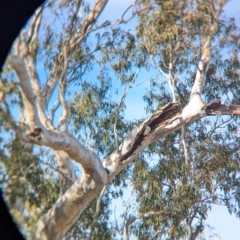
182,162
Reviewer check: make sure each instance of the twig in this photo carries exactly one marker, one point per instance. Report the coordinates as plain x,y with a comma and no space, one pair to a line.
120,107
55,169
185,147
54,108
98,208
34,26
131,219
64,117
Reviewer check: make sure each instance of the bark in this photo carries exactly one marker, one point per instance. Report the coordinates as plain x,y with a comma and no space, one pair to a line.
67,175
90,20
26,92
66,210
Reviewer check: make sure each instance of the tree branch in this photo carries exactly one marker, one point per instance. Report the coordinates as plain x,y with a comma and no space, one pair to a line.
164,121
53,80
90,20
26,92
185,147
216,108
62,91
34,28
120,107
66,211
197,231
67,176
98,208
81,35
25,52
53,109
131,219
69,206
205,38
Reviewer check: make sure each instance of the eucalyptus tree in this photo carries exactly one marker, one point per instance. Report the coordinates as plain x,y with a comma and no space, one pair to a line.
69,49
195,164
180,177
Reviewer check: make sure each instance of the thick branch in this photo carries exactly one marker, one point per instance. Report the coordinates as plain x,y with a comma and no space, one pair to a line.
26,91
66,211
141,136
163,122
25,52
206,37
63,142
202,68
31,67
216,108
92,166
94,14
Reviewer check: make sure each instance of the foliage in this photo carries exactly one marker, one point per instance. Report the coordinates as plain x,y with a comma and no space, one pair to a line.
29,186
